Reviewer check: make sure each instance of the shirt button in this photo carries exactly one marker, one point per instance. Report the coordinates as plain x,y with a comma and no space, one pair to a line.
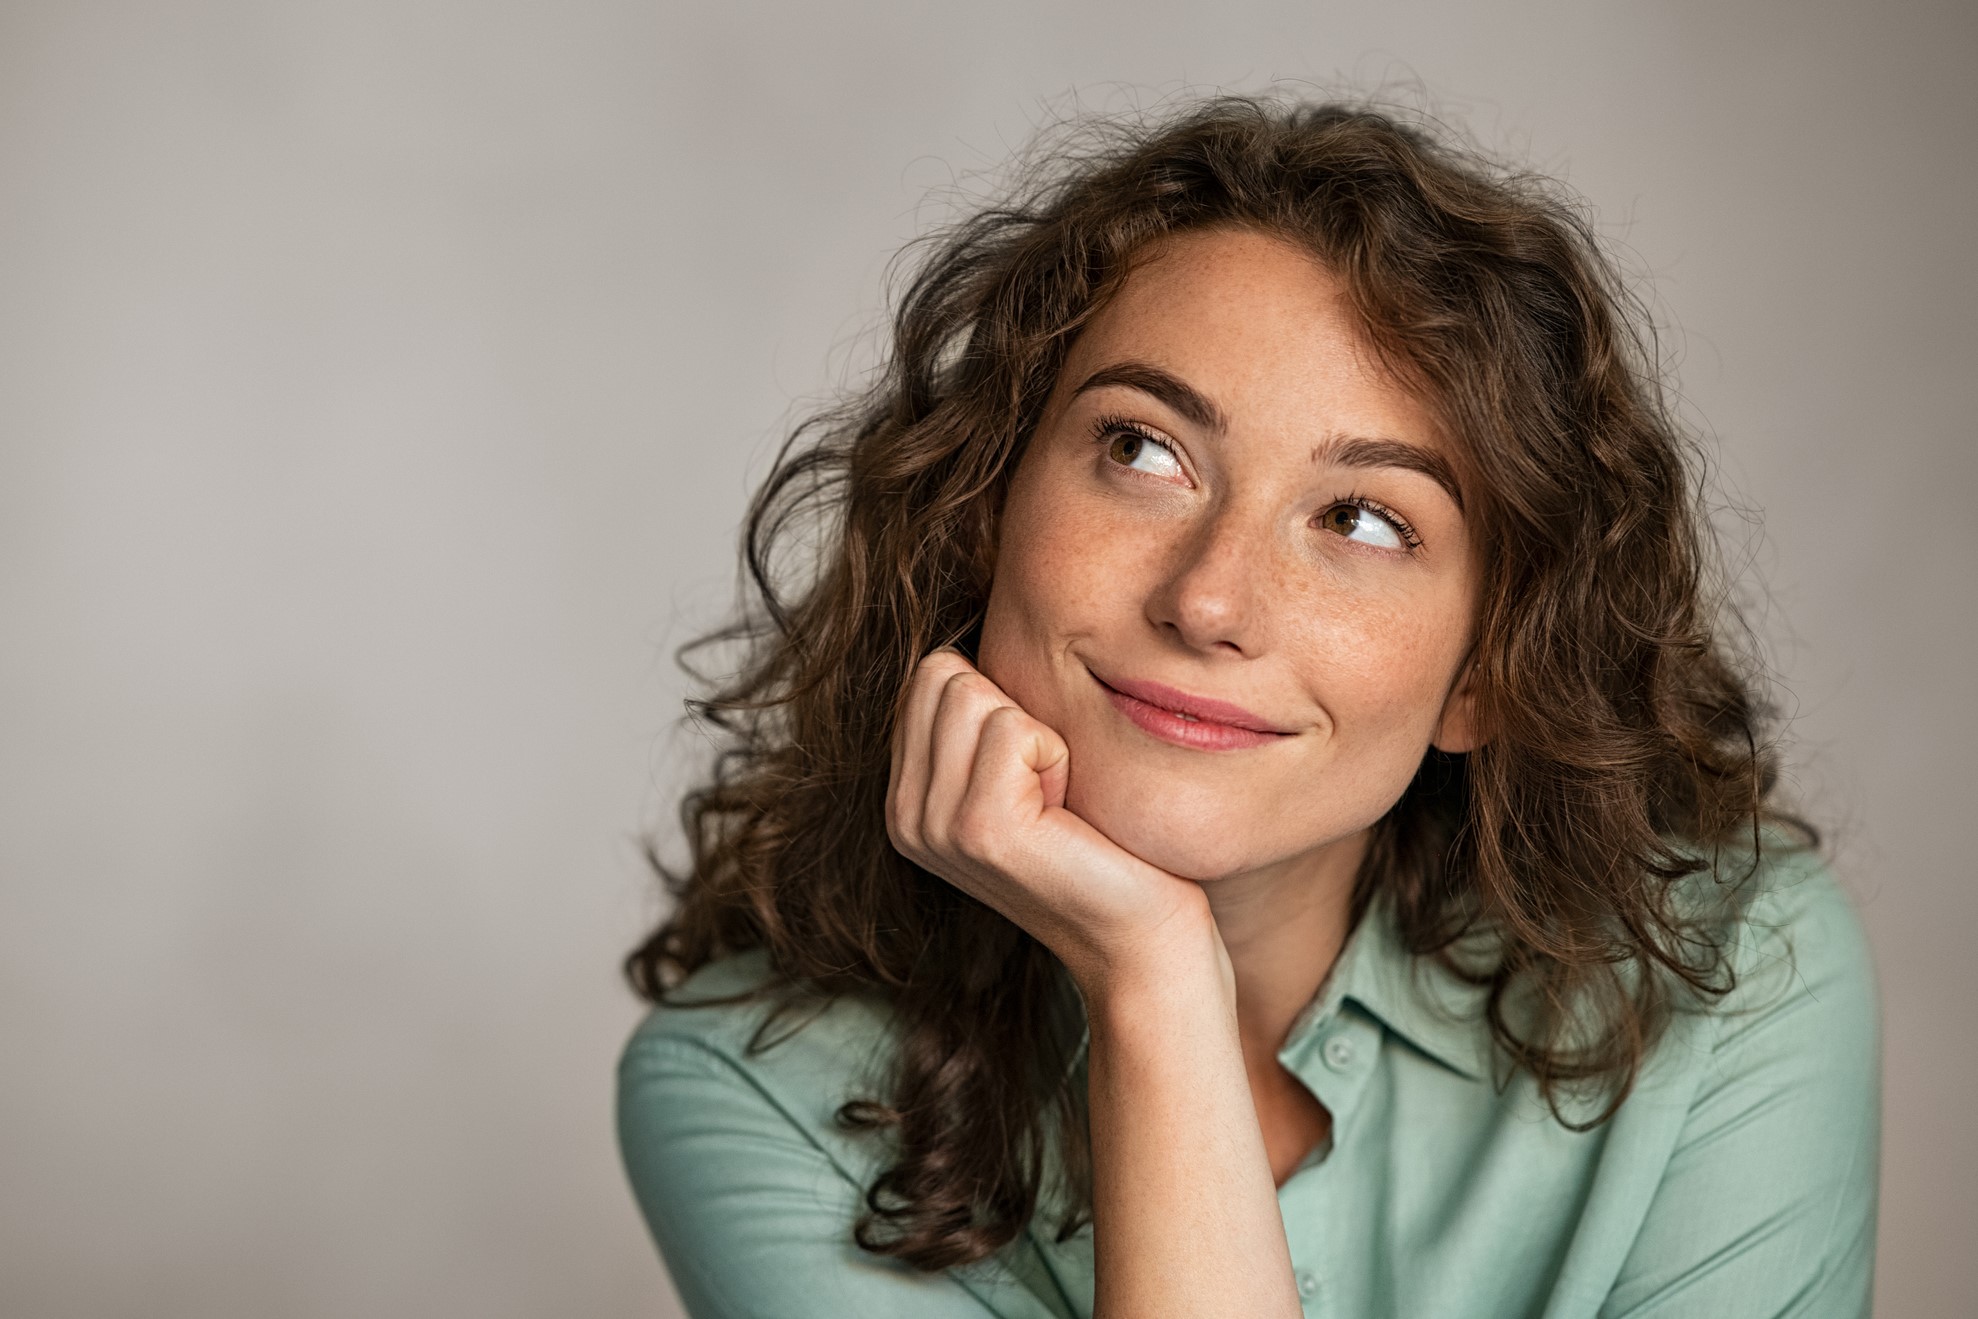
1339,1053
1308,1285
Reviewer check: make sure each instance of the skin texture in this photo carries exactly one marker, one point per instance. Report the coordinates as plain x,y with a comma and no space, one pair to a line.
1209,575
1199,896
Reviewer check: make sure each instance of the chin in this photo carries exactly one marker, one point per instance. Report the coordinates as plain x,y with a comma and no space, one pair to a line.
1197,840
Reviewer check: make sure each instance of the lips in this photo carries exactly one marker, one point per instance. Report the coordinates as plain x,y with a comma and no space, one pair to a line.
1188,720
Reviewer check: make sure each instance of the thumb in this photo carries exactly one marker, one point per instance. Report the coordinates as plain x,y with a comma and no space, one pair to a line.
1047,755
1020,759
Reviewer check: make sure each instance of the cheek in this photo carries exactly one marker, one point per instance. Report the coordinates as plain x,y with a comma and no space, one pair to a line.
1378,672
1374,673
1015,644
1382,662
1052,585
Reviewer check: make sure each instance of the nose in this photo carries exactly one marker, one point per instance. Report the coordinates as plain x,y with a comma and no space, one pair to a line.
1208,599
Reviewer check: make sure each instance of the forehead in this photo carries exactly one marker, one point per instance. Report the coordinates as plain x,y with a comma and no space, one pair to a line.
1262,327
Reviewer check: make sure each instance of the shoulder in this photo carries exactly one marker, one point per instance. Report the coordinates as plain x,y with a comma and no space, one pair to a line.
775,1030
1765,1194
750,1187
1800,958
1797,1035
792,1059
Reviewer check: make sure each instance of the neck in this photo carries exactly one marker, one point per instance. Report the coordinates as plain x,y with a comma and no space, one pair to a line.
1284,927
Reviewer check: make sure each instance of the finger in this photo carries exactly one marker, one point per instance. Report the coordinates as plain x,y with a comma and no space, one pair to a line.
999,821
1052,764
1021,765
912,732
967,698
908,781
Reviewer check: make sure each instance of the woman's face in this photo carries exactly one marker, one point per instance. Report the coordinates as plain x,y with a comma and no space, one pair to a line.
1229,510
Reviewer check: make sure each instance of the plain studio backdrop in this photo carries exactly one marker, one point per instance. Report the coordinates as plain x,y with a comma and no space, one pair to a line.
380,388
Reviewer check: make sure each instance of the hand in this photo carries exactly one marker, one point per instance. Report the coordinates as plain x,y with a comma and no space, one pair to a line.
977,797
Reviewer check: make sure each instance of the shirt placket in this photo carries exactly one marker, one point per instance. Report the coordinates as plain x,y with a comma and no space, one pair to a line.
1334,1055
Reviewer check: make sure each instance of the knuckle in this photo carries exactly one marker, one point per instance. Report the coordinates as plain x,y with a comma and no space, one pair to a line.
976,832
926,676
903,822
1008,725
937,662
964,683
935,841
1007,719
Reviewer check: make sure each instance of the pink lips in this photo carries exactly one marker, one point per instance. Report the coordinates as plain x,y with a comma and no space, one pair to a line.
1190,721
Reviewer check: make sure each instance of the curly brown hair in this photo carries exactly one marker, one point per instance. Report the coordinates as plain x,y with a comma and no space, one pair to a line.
1624,760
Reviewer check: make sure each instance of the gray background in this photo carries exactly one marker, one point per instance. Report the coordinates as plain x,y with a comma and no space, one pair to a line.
380,385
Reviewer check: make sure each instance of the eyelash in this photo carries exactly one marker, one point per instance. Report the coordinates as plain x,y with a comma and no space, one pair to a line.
1104,428
1380,510
1107,426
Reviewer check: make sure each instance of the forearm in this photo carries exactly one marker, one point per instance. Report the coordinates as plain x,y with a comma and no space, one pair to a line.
1185,1212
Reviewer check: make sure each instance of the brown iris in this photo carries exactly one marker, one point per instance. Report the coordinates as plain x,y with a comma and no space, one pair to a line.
1342,518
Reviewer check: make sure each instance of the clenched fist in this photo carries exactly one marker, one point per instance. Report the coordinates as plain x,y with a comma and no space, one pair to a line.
977,797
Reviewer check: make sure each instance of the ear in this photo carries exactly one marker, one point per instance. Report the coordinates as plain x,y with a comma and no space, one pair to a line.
1456,731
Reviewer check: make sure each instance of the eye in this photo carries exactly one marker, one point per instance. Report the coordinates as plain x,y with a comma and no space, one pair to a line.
1131,445
1370,524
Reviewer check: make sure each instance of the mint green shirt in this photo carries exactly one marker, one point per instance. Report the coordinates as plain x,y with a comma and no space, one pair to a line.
1737,1181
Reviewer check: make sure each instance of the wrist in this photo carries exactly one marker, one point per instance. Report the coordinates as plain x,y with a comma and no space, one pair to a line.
1183,965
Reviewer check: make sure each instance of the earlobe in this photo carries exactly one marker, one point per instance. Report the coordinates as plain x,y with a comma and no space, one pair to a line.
1456,730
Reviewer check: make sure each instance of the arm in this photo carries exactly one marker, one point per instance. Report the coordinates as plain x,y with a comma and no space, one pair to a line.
1185,1212
1768,1204
751,1216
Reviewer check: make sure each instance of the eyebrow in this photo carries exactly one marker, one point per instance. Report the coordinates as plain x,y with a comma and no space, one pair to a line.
1362,451
1170,389
1339,450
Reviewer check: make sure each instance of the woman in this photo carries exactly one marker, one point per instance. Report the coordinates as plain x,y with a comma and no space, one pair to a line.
1250,810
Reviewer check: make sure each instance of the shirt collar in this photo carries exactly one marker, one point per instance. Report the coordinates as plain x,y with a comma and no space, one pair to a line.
1414,997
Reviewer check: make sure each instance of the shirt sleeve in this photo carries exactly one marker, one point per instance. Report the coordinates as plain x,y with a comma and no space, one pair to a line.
752,1217
1768,1203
